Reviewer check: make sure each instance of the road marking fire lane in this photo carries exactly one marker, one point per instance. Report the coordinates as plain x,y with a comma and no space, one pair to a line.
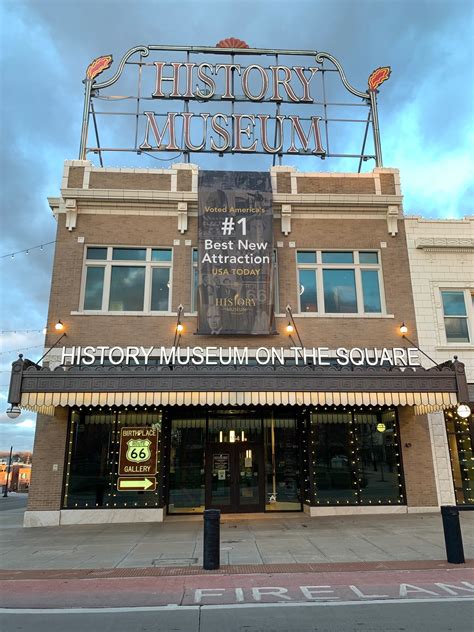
275,594
235,606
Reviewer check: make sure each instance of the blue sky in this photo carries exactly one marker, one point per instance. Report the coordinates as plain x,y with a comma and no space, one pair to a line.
426,110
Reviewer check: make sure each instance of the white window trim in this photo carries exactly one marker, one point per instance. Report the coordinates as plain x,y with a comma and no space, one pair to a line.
443,342
357,267
148,264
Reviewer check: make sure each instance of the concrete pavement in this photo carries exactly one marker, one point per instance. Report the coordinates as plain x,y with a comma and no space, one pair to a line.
270,539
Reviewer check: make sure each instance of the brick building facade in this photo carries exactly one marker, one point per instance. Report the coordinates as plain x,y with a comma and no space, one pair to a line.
324,439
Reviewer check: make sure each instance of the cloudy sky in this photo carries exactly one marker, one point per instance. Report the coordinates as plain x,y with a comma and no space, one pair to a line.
426,110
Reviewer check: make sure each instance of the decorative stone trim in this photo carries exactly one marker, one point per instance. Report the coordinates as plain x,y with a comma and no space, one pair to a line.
92,516
286,219
393,214
446,244
71,213
441,459
182,217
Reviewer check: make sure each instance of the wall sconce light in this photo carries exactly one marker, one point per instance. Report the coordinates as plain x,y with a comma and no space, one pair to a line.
403,329
13,412
59,326
290,328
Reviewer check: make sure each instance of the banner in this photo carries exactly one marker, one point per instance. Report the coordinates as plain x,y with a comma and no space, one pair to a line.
235,232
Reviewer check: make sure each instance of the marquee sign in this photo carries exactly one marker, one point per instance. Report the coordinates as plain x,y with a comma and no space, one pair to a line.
196,99
240,356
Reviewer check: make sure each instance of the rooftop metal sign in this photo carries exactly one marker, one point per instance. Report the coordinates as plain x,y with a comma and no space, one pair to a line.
230,99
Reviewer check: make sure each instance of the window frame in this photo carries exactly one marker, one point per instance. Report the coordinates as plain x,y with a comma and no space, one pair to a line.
468,296
356,266
109,262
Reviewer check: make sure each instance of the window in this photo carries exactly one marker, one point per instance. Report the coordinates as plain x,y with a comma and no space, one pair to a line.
356,458
339,282
195,281
91,474
455,311
127,279
461,451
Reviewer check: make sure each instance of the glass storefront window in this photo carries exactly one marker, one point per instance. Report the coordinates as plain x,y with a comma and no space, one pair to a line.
461,450
92,465
377,444
229,428
187,474
282,464
356,458
334,476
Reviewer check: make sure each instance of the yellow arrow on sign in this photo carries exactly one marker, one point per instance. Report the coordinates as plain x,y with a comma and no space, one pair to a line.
144,482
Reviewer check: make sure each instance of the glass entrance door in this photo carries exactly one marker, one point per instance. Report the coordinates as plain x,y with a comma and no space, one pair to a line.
234,477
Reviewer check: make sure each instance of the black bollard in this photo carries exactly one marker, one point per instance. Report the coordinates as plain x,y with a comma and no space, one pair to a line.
211,553
452,535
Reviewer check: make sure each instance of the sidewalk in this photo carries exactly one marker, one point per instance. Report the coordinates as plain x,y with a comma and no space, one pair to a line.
277,540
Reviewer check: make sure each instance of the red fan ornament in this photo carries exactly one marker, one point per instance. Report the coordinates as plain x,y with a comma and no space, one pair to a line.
232,42
98,65
379,75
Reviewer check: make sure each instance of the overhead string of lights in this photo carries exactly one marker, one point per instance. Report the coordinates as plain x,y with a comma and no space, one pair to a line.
20,349
23,331
27,251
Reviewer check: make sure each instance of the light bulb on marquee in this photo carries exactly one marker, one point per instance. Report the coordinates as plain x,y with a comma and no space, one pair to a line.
463,411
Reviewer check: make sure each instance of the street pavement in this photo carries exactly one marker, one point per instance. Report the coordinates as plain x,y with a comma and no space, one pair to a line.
453,616
267,539
279,573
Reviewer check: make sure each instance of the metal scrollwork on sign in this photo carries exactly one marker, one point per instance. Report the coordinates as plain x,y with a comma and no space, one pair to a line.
320,57
143,50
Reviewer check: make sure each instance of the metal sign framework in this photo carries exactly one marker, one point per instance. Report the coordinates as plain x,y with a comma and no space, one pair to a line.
141,57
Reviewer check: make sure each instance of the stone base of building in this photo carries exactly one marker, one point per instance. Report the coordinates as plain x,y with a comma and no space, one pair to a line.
90,516
316,512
